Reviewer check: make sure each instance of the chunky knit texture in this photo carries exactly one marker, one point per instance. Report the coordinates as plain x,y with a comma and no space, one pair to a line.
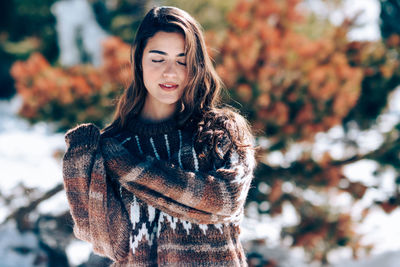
149,196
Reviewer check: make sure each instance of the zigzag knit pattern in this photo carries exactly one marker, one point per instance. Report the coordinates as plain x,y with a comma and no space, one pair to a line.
146,197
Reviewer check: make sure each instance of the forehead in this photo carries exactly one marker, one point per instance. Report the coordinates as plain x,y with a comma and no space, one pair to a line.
169,42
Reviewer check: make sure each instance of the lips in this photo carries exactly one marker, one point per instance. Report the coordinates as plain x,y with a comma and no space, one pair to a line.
168,86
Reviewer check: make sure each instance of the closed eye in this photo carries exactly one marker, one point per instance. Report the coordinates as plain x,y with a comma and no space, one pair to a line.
162,60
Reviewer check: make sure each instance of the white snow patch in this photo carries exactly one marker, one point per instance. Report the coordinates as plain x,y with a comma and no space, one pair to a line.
78,252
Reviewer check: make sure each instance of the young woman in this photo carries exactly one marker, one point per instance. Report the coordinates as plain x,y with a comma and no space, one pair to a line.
165,183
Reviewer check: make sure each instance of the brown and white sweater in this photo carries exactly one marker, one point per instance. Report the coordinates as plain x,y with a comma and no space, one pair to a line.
146,196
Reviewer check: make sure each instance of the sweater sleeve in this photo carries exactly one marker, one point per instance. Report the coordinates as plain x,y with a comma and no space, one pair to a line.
98,213
213,197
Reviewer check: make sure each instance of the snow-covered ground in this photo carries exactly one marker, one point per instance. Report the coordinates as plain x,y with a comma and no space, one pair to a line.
10,237
27,156
33,146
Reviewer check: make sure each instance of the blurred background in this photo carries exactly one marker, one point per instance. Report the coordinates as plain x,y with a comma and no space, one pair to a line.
317,79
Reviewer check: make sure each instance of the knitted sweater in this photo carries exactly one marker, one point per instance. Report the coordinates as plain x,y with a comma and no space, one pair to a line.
149,196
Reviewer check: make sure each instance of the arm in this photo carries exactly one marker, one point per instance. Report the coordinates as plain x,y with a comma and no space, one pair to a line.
202,197
98,214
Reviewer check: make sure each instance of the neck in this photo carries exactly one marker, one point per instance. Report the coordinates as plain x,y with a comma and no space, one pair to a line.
157,112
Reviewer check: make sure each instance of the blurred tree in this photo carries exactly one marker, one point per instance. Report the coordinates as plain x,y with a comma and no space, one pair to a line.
390,13
50,233
211,14
380,64
72,95
19,28
20,35
289,85
120,17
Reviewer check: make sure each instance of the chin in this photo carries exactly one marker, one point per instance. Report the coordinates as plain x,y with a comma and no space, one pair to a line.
169,101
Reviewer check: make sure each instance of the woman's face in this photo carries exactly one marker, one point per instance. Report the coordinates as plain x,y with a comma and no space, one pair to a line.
164,69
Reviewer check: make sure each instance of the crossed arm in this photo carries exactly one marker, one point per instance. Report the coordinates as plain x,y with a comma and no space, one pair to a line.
201,197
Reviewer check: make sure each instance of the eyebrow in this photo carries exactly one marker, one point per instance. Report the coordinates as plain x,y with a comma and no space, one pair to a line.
163,53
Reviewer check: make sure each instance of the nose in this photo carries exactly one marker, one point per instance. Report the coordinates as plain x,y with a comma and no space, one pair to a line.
170,71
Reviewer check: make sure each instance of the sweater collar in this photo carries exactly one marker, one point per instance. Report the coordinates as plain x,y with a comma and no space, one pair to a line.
140,125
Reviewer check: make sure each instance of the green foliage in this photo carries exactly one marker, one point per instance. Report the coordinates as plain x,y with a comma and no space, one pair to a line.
390,13
121,17
211,14
23,35
20,35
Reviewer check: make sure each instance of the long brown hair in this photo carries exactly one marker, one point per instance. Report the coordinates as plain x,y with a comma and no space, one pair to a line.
202,93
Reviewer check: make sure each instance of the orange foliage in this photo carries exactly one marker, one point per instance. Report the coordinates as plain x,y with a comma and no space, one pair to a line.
116,64
44,88
302,84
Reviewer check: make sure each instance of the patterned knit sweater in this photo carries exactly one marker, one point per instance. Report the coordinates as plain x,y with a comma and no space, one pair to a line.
149,196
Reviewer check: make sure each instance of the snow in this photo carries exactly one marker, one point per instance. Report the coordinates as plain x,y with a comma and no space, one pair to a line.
12,240
379,223
26,152
78,252
386,259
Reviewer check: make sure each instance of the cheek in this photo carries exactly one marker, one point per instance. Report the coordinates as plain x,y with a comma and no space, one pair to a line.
148,72
144,70
184,75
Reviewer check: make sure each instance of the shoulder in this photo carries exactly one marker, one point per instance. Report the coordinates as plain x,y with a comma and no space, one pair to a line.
224,129
83,134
